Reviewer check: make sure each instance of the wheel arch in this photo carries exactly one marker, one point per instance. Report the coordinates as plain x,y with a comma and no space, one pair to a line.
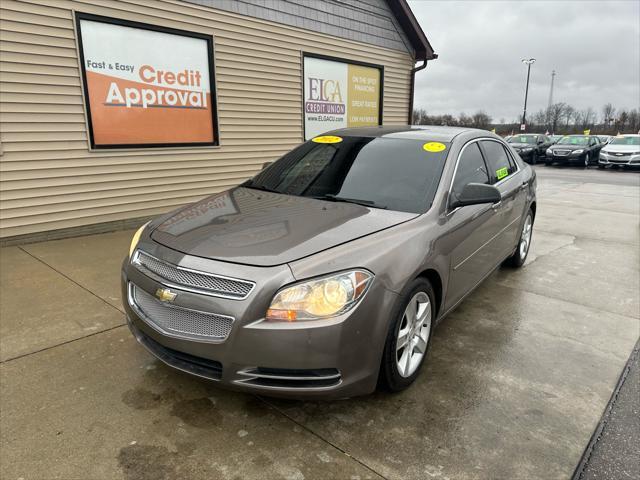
435,280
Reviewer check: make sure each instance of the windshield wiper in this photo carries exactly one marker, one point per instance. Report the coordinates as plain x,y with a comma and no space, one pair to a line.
365,203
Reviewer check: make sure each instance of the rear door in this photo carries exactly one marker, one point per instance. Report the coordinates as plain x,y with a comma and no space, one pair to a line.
507,177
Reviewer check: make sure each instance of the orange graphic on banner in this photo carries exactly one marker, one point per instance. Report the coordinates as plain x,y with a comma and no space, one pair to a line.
147,113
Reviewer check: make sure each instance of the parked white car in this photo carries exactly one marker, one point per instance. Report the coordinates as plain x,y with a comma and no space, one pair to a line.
622,150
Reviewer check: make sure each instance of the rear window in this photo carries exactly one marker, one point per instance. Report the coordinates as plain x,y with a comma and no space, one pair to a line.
499,163
396,174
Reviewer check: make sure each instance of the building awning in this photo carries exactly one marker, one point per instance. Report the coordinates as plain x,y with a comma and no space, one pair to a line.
411,27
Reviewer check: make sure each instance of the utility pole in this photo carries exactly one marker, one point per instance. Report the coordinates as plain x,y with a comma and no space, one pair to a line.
528,62
553,76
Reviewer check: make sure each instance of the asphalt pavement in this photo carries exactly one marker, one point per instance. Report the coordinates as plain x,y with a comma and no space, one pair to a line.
518,379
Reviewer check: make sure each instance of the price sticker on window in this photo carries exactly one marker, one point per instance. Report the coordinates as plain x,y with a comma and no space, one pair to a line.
501,173
327,139
434,147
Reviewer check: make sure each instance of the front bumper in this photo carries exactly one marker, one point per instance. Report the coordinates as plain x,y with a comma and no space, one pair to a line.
527,156
613,159
326,359
567,158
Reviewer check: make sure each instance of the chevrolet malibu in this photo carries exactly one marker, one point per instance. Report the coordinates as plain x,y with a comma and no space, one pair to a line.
622,150
325,274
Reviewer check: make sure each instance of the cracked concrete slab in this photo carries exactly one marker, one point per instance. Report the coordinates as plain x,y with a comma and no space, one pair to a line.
102,408
608,226
40,308
77,258
585,272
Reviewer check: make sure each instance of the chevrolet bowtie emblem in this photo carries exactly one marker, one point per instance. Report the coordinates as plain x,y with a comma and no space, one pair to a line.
165,295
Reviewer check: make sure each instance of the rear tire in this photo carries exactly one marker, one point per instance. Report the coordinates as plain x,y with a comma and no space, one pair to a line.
409,336
524,244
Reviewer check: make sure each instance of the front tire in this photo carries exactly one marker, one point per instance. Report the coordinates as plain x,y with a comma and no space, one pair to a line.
587,160
522,250
409,336
534,158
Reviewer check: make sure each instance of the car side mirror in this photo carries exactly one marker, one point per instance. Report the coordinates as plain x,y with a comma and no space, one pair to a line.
477,194
266,164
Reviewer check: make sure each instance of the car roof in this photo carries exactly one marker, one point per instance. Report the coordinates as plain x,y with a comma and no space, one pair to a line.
409,132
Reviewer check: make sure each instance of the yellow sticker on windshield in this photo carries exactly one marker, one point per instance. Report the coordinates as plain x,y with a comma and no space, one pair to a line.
434,146
327,139
501,173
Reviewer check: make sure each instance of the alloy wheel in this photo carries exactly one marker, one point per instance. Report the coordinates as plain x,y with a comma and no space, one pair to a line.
587,160
413,334
525,238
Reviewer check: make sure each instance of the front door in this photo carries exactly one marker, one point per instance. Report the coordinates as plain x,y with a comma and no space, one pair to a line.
471,230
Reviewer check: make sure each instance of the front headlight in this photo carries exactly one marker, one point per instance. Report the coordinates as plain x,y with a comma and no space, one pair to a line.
549,151
578,152
527,149
320,298
136,238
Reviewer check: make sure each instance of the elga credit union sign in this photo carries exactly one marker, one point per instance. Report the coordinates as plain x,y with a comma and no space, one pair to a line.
146,86
339,94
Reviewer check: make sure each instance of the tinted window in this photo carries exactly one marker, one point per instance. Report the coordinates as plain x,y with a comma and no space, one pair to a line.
498,161
471,169
397,174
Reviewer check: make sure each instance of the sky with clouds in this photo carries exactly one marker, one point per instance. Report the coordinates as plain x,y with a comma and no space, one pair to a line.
594,46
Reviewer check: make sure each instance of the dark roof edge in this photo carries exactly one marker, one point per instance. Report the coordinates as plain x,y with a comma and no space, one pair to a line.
411,27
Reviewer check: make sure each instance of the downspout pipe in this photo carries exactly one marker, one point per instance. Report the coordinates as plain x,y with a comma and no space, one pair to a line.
412,87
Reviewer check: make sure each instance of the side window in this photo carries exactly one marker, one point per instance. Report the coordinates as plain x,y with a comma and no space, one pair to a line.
471,169
498,161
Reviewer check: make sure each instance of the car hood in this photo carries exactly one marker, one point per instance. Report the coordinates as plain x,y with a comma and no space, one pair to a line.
621,148
253,227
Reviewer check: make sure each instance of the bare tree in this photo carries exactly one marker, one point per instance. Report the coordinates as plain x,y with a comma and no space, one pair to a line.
622,120
567,114
634,120
587,118
608,111
481,120
556,113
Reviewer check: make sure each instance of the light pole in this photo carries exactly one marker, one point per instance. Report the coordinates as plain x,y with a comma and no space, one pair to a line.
526,91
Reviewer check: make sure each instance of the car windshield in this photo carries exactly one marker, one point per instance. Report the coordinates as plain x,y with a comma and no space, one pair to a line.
397,174
625,141
574,141
531,139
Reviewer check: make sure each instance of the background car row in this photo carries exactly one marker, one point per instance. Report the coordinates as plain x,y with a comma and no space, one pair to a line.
584,150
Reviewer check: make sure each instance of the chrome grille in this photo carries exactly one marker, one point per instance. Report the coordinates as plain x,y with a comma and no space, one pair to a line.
187,279
179,321
561,153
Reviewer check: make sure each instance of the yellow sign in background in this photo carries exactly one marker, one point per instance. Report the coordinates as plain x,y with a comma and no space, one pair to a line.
363,108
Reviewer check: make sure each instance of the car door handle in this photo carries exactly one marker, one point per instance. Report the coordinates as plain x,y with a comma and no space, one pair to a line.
496,206
524,185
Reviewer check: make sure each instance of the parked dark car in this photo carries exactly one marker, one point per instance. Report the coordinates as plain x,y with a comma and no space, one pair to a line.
530,146
576,149
326,273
